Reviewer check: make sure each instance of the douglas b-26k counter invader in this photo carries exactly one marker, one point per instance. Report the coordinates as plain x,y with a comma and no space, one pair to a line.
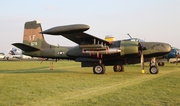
91,51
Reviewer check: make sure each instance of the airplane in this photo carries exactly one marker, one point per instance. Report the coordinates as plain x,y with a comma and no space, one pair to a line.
15,53
1,55
91,51
173,56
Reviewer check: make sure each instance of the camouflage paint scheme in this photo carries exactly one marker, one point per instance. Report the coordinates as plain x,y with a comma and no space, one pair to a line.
34,39
90,49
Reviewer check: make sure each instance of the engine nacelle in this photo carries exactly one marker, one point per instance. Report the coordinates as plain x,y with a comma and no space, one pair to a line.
129,48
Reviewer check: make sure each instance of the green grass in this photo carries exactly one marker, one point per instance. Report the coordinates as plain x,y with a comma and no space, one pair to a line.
29,83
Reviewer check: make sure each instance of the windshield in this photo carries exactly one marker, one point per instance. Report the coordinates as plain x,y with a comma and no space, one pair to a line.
135,39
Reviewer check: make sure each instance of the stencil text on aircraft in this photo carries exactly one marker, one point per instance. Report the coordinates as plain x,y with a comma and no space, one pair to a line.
32,37
33,43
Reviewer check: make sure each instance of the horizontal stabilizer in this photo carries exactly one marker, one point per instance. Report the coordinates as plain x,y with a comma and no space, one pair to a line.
25,48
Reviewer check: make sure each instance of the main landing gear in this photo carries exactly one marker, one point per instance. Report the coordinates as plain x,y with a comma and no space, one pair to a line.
99,68
118,68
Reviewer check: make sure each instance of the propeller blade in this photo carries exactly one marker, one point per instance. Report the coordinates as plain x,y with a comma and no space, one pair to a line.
142,62
141,48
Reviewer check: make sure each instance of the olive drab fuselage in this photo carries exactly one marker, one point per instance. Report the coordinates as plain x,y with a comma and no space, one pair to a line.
90,49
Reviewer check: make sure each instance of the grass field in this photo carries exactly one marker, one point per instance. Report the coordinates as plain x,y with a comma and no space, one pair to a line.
29,83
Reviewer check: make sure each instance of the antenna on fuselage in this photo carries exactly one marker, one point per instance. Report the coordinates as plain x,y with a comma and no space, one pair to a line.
129,35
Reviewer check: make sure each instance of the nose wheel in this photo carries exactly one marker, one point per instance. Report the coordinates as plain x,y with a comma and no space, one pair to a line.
153,67
153,70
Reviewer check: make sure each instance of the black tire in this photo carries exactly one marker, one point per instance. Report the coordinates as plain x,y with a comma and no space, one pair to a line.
160,63
99,69
118,68
153,70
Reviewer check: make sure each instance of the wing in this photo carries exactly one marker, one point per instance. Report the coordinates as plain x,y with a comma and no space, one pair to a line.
75,33
84,38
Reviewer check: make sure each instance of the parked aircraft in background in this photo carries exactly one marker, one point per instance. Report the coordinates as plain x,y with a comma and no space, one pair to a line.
176,59
14,52
172,57
1,55
91,51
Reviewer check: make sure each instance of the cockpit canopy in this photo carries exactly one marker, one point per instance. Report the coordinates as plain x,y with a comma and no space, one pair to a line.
135,39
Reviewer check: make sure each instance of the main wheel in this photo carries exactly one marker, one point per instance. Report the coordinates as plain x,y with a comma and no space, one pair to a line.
153,70
99,69
118,68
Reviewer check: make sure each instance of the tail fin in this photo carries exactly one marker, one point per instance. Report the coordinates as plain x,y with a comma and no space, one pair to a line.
33,36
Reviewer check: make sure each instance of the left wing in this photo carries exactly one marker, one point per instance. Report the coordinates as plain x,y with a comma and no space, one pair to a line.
88,43
76,34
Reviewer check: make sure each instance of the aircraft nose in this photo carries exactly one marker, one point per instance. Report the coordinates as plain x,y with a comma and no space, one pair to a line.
167,47
164,48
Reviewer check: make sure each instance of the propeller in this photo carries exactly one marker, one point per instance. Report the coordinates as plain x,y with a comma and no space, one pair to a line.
141,48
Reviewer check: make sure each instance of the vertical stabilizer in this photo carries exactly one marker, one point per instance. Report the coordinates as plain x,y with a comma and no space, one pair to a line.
33,36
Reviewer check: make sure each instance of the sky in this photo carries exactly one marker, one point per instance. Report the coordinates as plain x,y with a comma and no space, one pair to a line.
150,20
